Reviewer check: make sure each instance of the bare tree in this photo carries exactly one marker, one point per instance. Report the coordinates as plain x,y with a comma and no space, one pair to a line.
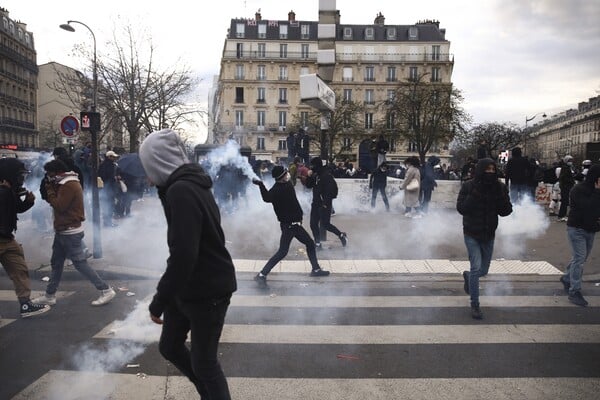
497,137
428,113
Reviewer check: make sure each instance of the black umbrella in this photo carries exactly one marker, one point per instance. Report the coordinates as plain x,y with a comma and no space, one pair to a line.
131,164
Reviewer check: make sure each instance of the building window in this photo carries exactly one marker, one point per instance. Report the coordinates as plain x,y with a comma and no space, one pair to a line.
304,118
346,143
369,33
347,74
239,31
413,73
304,71
239,71
283,31
239,94
412,147
304,31
260,143
27,38
413,33
282,120
261,72
435,74
368,120
347,120
282,96
391,74
5,23
260,95
347,95
391,96
283,51
435,53
369,74
262,50
239,50
260,120
369,96
304,50
262,31
239,118
390,122
283,73
348,33
282,144
391,33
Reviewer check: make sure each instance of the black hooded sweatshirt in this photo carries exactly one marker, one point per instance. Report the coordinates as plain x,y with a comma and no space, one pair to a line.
584,202
199,267
285,203
481,203
11,204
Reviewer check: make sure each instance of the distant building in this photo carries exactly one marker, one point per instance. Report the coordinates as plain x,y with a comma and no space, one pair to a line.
18,84
573,132
257,99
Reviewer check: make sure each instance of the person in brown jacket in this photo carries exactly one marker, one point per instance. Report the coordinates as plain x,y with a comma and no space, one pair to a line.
66,198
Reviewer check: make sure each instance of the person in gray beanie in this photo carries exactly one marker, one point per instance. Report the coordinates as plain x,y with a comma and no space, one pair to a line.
194,292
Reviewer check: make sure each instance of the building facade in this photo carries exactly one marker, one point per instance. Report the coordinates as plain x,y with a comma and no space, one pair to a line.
257,100
575,132
18,84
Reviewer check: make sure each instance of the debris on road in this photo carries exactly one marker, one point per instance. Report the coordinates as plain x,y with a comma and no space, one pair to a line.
46,279
133,365
347,357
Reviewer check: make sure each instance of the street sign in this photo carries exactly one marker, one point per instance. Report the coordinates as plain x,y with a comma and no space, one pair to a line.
69,126
316,93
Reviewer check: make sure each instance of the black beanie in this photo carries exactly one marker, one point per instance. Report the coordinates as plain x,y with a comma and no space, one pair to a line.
278,172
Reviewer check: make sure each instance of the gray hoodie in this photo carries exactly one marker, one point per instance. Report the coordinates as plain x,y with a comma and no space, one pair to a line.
161,153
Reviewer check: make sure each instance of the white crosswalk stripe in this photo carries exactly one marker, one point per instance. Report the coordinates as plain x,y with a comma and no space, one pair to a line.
302,341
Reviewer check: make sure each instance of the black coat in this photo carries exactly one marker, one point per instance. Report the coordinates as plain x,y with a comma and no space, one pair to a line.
324,187
584,202
285,203
10,206
199,267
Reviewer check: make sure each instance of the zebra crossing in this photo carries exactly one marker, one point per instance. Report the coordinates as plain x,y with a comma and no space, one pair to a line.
353,336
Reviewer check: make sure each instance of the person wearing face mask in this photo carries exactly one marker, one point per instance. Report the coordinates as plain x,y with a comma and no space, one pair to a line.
480,201
566,180
14,199
582,225
289,214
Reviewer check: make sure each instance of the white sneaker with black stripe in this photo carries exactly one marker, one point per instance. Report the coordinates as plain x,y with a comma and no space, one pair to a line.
106,296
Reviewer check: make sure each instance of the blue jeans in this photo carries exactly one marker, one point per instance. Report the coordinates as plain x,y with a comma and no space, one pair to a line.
71,247
581,242
480,257
204,320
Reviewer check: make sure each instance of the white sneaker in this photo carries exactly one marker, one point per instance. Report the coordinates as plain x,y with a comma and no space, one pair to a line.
49,299
408,214
106,296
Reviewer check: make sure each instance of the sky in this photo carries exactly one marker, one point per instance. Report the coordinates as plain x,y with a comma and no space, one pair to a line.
512,58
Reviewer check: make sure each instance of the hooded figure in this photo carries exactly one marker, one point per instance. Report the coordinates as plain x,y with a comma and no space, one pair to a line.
480,201
199,279
582,225
428,183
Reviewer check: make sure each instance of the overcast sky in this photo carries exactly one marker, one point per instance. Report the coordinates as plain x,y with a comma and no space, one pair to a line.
512,58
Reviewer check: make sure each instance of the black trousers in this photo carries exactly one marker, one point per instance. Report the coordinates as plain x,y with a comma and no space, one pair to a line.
205,322
321,217
288,232
380,189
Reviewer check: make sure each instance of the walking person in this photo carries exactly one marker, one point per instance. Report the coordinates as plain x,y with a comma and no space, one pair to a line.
428,183
289,214
378,183
324,190
108,172
480,201
411,195
65,195
15,199
566,180
194,292
518,173
582,225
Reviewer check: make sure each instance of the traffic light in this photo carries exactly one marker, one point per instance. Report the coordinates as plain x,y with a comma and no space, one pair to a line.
90,121
71,148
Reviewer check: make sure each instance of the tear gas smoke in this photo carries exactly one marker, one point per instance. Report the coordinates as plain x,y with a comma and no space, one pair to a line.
229,154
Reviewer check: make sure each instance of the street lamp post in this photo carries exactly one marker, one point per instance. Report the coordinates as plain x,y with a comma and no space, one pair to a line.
527,119
94,134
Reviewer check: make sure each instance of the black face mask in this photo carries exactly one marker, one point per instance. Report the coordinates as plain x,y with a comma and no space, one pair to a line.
489,178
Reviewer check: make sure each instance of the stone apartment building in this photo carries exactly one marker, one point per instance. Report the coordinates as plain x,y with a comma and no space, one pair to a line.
18,85
575,132
257,98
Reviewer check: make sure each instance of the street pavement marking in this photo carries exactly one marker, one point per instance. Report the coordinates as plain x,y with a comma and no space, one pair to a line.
6,321
239,300
429,266
72,385
9,295
384,334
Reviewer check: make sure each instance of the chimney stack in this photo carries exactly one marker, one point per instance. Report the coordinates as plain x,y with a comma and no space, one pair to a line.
257,16
292,16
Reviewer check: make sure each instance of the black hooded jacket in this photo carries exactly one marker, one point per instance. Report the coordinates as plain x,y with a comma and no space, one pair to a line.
323,184
11,204
481,203
584,202
199,267
285,203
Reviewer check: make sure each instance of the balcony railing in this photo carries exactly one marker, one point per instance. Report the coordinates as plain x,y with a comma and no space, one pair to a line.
269,55
395,57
